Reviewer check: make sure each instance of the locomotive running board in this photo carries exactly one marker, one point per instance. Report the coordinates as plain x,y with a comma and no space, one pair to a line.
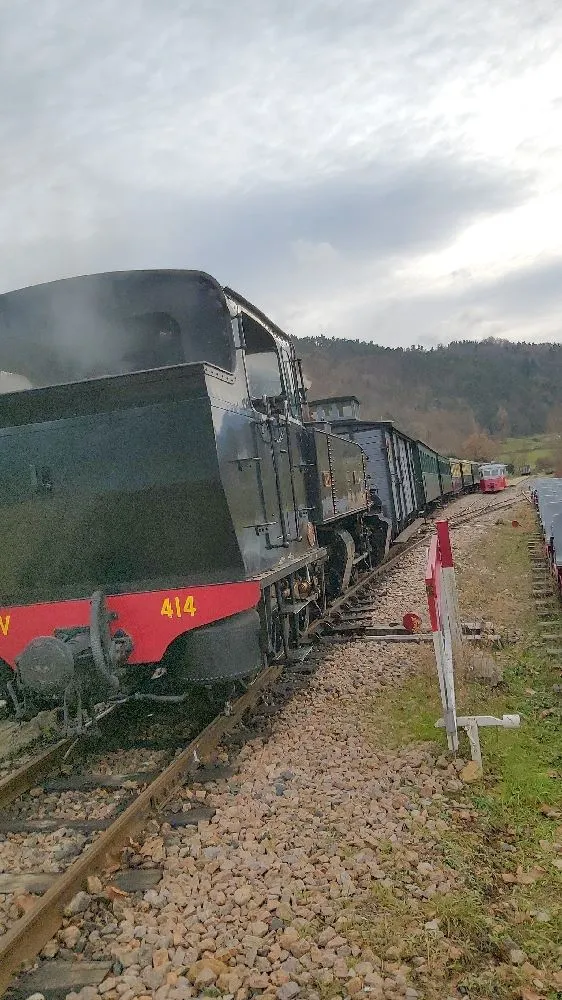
273,576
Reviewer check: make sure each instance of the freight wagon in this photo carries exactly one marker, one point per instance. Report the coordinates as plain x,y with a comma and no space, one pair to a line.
456,474
428,473
445,477
407,476
470,473
390,457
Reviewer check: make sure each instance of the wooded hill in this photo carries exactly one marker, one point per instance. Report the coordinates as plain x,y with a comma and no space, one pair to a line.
444,395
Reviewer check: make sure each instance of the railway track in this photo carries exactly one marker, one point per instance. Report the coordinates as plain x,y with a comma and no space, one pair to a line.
351,614
24,941
34,770
475,511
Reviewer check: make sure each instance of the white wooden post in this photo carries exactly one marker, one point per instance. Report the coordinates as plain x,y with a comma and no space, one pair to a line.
442,639
446,627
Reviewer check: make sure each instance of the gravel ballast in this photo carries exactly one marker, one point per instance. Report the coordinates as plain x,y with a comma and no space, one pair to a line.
318,822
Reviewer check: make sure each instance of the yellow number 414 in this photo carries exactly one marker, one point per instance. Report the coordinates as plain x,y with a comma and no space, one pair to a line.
173,608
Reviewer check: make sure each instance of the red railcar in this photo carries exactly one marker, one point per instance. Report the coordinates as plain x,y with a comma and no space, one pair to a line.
492,478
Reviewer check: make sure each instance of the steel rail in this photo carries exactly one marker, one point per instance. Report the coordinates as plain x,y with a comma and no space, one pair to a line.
464,516
393,560
29,935
26,776
365,582
47,762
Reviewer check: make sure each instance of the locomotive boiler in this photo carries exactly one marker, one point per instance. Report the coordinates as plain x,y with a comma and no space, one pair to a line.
169,518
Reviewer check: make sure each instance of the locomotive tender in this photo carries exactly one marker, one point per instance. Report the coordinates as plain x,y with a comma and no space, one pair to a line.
169,519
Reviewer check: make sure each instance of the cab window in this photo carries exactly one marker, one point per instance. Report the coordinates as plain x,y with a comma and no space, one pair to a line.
264,378
262,362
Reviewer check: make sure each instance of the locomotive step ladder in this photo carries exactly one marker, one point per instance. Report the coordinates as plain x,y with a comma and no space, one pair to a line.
295,649
290,610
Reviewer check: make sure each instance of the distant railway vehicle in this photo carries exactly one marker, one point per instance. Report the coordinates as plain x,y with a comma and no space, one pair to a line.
428,466
493,477
445,476
525,470
407,476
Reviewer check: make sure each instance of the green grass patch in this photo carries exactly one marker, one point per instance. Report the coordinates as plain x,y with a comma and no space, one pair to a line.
528,450
519,763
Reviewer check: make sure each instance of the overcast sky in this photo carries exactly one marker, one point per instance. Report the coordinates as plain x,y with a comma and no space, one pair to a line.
385,170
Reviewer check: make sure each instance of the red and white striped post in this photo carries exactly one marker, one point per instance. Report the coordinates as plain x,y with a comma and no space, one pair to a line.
449,582
445,624
443,605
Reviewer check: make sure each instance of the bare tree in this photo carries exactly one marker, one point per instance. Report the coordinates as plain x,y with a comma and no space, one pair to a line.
479,446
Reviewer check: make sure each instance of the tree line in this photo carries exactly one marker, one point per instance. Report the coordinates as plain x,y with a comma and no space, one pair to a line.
463,394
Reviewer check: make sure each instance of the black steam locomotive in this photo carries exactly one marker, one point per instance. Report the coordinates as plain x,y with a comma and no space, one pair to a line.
169,517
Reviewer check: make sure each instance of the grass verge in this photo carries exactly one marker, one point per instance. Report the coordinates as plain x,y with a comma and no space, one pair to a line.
526,450
500,928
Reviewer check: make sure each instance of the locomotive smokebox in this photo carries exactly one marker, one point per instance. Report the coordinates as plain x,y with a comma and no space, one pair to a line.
46,667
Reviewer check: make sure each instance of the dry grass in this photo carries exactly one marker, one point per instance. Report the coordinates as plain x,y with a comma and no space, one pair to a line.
494,577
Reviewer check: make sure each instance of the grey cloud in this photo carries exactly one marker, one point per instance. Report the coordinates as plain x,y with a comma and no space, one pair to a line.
527,291
242,137
383,209
376,213
528,299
